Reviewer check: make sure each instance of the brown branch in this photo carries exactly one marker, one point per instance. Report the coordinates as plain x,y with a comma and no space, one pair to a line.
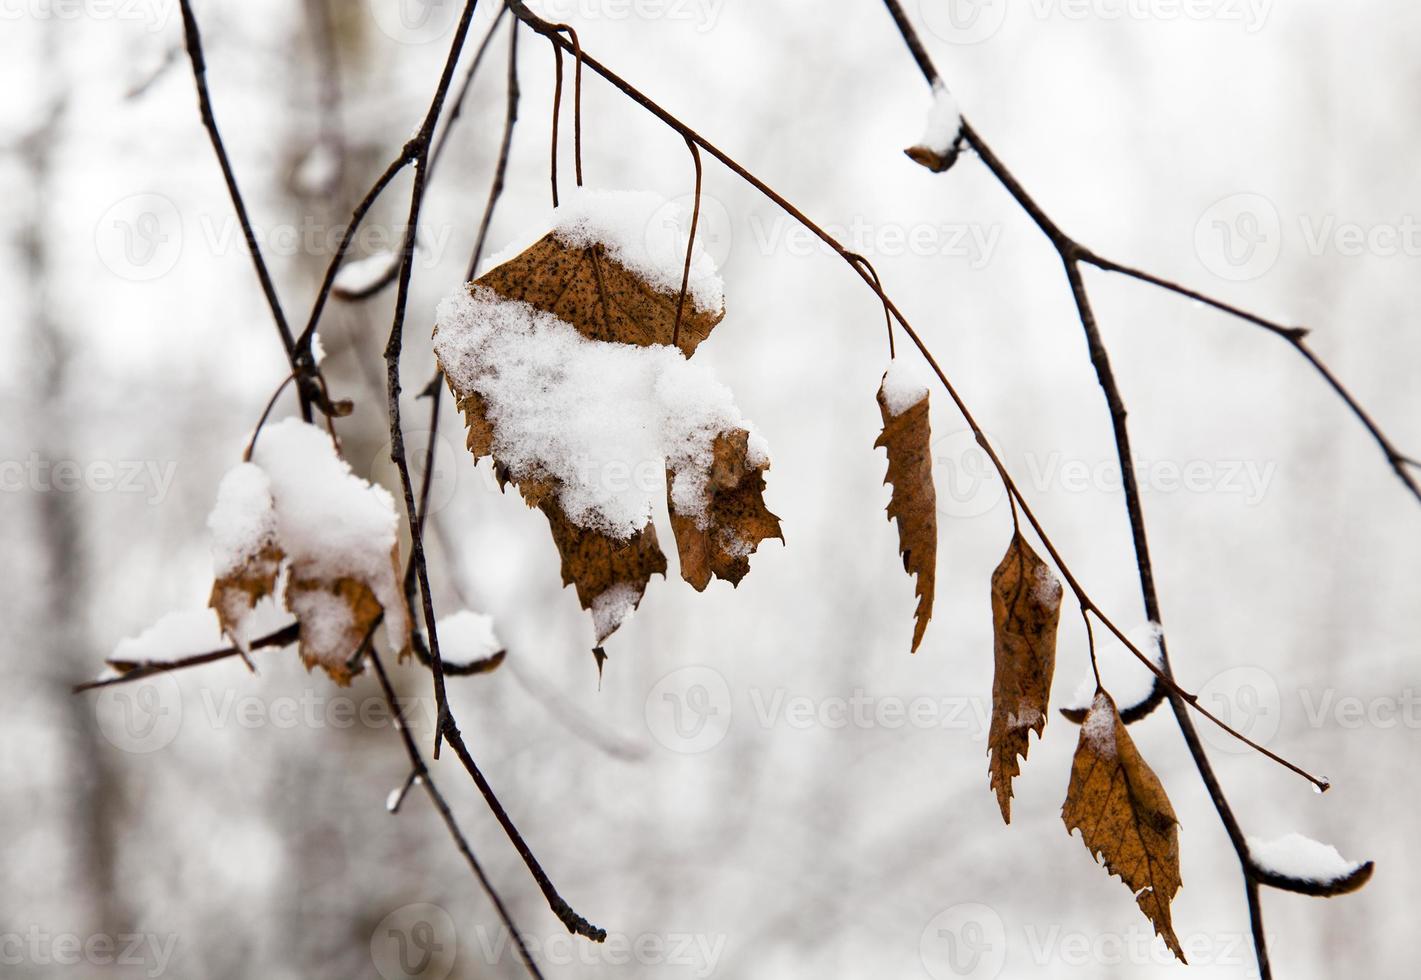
575,923
134,670
420,774
690,246
1072,255
456,110
304,368
550,31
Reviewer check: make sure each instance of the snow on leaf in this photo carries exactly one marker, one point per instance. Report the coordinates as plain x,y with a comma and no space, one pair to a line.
335,616
559,358
298,503
1026,607
938,148
610,571
246,556
597,271
1124,816
907,437
725,518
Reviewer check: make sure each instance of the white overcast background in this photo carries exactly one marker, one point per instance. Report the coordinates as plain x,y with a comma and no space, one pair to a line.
1265,153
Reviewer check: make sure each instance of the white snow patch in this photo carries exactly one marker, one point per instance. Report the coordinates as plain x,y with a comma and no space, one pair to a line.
319,169
1301,857
604,420
904,385
467,636
1046,587
640,229
178,634
331,524
613,608
243,520
1130,680
1099,726
362,274
944,122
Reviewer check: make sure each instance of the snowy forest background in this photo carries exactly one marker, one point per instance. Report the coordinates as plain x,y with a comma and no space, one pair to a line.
256,839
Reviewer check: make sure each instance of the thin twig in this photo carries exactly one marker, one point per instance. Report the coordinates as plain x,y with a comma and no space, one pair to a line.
400,162
500,170
690,245
575,923
193,40
557,108
548,30
1072,255
576,99
266,413
135,670
418,149
420,773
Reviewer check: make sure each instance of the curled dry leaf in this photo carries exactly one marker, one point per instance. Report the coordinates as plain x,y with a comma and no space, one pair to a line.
236,593
526,390
585,286
935,160
298,504
907,436
1026,607
1124,816
609,573
335,616
735,519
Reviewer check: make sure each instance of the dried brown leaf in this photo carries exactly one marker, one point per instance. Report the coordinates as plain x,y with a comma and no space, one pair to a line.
1124,816
935,160
235,594
908,438
736,519
1026,606
335,617
598,295
610,574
